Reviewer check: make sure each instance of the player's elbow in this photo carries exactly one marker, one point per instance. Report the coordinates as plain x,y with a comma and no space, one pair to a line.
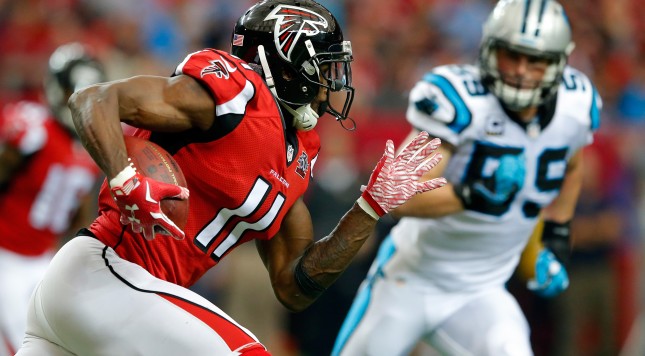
81,97
292,298
82,100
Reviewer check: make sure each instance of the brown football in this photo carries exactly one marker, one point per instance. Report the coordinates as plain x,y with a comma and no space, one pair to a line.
154,162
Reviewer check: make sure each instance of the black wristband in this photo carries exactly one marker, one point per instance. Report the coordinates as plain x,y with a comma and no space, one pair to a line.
308,286
556,237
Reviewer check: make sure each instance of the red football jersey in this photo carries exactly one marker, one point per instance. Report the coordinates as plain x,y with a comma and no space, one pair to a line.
43,195
244,174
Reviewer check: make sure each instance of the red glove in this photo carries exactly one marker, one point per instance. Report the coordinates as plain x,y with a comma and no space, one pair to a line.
395,180
139,199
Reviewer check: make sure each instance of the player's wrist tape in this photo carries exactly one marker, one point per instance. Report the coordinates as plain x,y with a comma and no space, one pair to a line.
123,176
556,237
367,207
308,286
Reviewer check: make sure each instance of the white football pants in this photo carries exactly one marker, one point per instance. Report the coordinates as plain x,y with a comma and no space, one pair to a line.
92,302
19,276
389,318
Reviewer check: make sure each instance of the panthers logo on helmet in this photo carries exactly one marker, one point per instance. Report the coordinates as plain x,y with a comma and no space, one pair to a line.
291,23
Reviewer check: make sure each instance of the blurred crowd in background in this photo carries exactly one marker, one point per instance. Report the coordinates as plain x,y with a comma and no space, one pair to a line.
394,42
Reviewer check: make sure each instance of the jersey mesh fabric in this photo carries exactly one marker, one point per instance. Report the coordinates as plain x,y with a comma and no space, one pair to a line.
247,166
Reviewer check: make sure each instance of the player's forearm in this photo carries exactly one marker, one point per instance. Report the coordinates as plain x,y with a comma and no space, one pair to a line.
95,112
326,259
433,204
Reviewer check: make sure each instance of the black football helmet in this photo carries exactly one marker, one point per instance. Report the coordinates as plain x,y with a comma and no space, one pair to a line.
300,47
71,67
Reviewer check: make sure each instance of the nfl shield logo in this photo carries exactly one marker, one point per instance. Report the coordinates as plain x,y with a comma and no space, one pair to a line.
289,154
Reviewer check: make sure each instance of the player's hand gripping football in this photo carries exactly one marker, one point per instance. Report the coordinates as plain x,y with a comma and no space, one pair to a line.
396,179
139,200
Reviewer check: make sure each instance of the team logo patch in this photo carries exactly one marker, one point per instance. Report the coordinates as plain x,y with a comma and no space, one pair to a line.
494,126
220,67
303,164
291,23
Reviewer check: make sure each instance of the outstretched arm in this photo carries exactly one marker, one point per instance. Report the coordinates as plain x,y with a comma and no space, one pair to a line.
300,269
324,260
437,202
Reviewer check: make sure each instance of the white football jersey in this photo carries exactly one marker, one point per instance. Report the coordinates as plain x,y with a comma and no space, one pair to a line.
471,250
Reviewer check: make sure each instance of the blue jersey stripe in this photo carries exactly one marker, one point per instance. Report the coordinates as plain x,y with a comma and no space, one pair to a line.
463,117
595,111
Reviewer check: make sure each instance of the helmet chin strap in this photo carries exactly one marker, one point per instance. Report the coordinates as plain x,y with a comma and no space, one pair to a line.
304,117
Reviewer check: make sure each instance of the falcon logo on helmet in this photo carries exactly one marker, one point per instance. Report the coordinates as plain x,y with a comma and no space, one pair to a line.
291,23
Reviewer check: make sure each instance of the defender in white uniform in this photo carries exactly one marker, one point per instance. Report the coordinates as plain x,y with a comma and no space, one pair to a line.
512,128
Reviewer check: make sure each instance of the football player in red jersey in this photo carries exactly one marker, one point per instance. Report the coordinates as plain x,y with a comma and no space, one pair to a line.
240,126
45,180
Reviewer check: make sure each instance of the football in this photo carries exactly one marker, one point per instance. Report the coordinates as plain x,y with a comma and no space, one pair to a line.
154,162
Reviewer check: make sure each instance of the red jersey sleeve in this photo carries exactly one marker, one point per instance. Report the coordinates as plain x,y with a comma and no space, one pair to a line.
223,75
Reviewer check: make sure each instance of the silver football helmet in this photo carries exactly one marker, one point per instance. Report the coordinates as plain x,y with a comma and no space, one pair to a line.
71,67
535,28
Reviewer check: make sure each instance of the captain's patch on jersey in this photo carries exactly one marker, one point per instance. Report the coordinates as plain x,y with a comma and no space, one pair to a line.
494,125
303,165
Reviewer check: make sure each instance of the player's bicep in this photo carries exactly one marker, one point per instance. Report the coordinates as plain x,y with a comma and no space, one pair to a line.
165,104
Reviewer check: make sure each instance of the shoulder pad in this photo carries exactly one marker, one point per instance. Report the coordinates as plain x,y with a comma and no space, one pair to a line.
580,93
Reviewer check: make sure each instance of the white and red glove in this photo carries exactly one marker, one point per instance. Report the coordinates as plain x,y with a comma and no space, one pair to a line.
396,179
139,199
